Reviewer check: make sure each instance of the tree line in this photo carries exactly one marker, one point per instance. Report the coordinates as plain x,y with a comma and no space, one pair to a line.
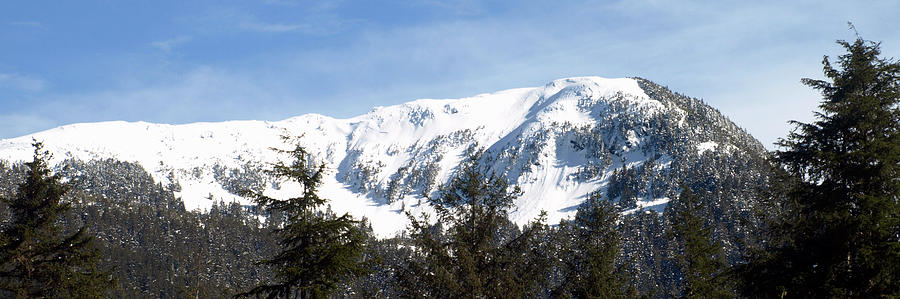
831,226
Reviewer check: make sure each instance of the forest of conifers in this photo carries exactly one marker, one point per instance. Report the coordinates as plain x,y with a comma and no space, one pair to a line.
828,227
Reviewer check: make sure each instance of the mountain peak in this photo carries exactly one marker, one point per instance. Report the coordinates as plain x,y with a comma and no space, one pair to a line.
559,142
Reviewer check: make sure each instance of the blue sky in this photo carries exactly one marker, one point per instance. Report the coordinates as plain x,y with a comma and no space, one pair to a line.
65,62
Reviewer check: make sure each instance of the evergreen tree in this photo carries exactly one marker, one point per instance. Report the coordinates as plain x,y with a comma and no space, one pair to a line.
39,257
839,236
700,259
480,253
319,248
591,270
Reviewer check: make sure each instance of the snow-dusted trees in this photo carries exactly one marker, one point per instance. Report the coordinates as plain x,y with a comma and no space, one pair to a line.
699,257
589,250
39,257
838,237
474,251
318,248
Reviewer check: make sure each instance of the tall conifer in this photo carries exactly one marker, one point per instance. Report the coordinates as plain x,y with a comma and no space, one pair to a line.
700,258
319,248
839,236
590,258
38,258
474,251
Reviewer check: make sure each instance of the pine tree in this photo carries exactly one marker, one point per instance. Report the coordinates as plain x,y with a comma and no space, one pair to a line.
699,257
319,248
839,236
38,257
590,267
474,251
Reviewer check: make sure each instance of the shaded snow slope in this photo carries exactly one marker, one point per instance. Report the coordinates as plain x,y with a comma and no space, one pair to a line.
559,142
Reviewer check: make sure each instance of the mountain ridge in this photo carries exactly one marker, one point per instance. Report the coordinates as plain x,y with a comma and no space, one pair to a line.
560,142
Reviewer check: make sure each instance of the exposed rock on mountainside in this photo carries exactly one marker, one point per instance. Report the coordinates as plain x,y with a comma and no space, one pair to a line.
629,138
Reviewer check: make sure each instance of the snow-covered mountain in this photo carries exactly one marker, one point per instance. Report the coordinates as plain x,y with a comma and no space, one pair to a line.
629,138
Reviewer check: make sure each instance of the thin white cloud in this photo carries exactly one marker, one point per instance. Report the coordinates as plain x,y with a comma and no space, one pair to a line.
325,24
741,58
281,2
169,44
314,18
202,94
273,27
460,7
738,59
31,24
16,125
21,82
314,6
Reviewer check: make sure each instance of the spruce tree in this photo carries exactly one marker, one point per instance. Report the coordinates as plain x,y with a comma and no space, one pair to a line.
474,251
839,236
698,256
38,257
319,248
590,258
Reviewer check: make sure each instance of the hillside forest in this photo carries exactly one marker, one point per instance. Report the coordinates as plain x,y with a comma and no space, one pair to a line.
817,218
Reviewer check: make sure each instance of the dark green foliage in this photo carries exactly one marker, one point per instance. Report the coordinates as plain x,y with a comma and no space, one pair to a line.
474,251
839,235
646,262
382,258
594,245
155,247
699,257
161,250
319,248
38,256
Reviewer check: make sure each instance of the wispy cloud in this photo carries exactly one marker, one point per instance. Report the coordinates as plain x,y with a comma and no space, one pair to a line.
16,125
460,7
31,24
169,44
281,2
202,93
21,82
741,58
273,27
324,24
315,6
738,58
327,17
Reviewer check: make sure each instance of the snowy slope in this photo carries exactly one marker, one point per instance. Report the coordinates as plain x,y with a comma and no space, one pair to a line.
558,142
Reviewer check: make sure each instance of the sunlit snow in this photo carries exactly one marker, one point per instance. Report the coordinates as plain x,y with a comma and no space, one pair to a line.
389,135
